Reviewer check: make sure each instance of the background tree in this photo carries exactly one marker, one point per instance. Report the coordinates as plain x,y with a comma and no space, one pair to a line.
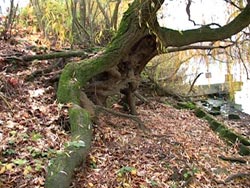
86,85
78,22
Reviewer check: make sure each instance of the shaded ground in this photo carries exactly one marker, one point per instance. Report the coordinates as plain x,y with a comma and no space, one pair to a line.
31,121
180,151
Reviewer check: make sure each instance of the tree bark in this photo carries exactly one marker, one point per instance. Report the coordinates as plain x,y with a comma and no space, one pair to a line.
117,69
60,171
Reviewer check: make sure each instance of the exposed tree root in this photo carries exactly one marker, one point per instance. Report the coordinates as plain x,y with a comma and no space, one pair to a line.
130,50
132,117
143,99
61,170
233,159
236,176
61,63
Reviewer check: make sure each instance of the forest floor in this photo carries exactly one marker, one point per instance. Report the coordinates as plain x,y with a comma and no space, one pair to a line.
179,151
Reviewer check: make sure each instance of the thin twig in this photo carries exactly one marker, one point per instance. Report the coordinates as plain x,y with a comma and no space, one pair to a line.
192,85
5,101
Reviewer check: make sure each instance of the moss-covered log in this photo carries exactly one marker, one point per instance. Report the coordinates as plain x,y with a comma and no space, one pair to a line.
66,54
61,169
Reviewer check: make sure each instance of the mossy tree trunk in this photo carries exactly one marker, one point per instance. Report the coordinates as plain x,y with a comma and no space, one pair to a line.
117,70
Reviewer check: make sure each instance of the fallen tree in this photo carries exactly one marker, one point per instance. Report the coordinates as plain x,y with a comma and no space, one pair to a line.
116,70
54,55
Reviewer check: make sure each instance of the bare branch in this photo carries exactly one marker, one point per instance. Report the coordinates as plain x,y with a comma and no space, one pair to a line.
170,37
195,47
192,85
242,61
188,11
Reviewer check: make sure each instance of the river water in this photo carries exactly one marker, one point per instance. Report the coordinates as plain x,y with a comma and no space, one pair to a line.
218,72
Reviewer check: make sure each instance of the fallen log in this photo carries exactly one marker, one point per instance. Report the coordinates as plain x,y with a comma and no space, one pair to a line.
55,55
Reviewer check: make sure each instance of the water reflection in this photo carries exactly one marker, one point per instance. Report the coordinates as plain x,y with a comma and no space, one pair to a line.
218,73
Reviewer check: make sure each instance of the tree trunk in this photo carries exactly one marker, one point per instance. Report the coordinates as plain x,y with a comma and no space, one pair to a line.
60,171
117,70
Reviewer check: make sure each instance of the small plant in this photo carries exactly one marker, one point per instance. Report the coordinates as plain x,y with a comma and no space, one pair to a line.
93,162
27,171
125,170
174,185
9,152
36,136
20,162
153,183
35,152
190,173
38,165
11,142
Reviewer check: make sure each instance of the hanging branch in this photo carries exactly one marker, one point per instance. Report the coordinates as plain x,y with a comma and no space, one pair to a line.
188,11
192,85
242,61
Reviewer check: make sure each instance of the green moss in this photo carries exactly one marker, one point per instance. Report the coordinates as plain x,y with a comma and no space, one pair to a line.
68,88
213,125
62,168
199,113
124,25
229,135
216,126
244,150
79,121
186,105
244,141
75,76
233,116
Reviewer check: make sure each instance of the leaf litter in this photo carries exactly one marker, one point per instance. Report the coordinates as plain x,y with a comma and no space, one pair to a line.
31,122
180,150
